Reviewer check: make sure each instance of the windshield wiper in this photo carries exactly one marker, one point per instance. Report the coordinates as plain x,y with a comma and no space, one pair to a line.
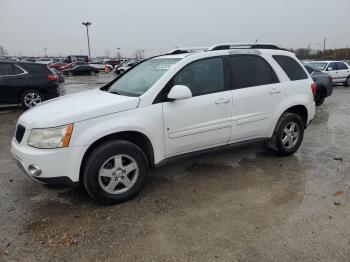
115,92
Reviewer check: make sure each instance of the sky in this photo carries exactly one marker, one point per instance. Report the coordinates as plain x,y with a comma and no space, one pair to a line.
157,26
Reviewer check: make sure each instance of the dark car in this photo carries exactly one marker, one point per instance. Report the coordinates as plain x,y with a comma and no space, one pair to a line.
324,84
59,75
81,70
26,83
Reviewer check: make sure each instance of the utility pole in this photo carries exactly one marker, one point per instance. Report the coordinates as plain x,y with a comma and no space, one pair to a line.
118,53
45,49
324,44
308,51
87,24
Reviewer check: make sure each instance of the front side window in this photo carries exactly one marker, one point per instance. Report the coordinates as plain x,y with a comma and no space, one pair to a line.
291,67
332,67
250,70
6,69
202,77
142,77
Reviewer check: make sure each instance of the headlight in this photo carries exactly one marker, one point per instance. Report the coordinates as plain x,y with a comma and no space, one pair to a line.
56,137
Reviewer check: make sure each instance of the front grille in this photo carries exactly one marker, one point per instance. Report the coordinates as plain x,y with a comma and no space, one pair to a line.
20,130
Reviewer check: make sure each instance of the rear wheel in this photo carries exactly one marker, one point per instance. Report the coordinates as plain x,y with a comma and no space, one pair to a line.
31,98
320,96
115,171
70,74
92,73
347,82
289,134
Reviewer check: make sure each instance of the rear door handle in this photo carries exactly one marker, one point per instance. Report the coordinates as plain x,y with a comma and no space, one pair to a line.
274,91
222,101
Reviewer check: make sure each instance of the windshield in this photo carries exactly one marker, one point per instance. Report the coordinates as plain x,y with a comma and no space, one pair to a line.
142,77
318,66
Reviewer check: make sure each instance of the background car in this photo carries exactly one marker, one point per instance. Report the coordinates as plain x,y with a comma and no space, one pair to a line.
338,70
26,83
100,66
81,70
59,75
324,84
124,67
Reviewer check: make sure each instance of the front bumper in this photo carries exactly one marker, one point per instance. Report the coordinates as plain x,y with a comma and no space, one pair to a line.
58,166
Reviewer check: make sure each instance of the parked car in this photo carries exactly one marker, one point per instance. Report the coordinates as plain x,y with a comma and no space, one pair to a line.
124,67
338,70
59,75
76,58
81,70
162,108
100,66
26,83
44,61
113,63
324,84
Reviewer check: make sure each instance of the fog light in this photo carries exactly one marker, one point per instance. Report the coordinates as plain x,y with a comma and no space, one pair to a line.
34,170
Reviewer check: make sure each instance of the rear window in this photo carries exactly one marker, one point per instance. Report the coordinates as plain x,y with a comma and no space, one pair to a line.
291,67
38,69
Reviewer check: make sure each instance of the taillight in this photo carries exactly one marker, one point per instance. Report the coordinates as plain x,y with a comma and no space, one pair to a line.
52,77
314,88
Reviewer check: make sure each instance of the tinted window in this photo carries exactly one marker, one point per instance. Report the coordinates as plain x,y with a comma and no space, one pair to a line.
202,77
341,66
309,69
291,67
6,69
250,70
332,66
37,69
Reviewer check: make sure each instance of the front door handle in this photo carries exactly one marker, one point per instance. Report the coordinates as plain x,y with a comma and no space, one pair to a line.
274,91
222,101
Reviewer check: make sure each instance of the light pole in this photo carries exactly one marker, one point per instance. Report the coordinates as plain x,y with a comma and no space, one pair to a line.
118,53
45,49
87,24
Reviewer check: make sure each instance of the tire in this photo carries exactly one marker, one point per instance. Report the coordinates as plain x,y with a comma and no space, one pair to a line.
106,175
121,71
287,144
92,73
347,82
320,96
70,74
31,98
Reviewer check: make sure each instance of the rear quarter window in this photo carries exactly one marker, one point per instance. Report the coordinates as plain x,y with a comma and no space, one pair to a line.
37,69
291,67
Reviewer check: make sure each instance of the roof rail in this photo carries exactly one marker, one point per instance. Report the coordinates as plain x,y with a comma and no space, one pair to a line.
184,50
244,46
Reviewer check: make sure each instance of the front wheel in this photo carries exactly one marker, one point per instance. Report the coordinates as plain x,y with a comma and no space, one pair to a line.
115,171
289,134
347,82
31,98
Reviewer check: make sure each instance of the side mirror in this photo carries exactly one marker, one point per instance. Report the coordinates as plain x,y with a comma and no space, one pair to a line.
329,69
178,92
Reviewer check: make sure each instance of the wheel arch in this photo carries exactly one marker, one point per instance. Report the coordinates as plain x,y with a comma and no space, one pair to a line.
300,110
135,137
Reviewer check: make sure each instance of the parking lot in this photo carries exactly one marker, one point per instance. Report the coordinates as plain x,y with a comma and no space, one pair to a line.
243,204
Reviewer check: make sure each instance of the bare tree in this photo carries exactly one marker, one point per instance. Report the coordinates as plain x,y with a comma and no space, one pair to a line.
139,54
3,51
107,53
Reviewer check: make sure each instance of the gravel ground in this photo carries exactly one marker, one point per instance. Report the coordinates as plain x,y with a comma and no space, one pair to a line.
244,204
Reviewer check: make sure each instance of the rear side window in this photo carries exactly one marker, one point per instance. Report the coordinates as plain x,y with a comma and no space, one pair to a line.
6,69
250,70
291,67
341,66
202,77
37,69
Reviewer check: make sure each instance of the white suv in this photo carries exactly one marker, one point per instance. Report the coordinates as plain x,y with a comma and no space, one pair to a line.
166,106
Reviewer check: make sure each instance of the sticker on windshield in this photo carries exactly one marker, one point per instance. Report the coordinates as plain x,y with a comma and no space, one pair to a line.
164,67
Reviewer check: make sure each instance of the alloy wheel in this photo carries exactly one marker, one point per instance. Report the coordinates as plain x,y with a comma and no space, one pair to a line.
32,99
290,135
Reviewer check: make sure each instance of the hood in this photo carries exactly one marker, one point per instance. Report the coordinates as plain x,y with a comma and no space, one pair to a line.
76,107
